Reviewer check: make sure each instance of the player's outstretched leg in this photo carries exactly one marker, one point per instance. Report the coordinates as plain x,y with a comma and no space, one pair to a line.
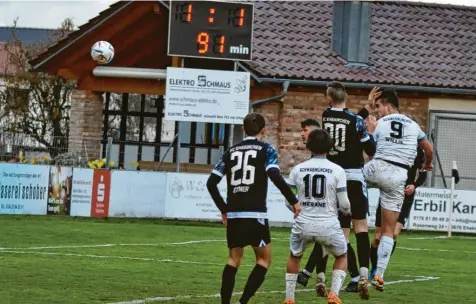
314,259
291,277
375,242
338,277
257,276
321,289
389,220
353,270
229,274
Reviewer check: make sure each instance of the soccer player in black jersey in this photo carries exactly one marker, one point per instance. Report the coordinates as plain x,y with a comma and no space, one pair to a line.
247,167
351,139
416,178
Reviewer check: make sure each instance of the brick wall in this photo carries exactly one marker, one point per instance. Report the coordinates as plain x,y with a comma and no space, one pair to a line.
284,119
86,123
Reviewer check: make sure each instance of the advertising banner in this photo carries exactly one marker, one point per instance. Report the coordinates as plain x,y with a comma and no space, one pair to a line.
431,210
101,193
207,95
187,197
59,200
23,189
137,194
82,192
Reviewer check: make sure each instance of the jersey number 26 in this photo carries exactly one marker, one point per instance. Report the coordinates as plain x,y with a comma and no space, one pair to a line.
248,176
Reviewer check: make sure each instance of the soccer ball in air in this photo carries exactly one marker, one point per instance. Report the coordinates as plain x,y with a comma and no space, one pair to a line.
102,52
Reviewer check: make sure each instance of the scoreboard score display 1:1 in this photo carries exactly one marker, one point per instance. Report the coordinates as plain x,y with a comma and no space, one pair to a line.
211,29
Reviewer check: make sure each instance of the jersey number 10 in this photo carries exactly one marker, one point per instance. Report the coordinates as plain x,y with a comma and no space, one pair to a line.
314,186
337,133
248,176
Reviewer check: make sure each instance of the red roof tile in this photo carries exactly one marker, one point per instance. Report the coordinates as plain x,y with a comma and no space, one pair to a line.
410,44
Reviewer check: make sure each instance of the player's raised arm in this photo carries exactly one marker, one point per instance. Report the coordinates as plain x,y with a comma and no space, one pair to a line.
274,173
212,184
343,199
367,140
425,144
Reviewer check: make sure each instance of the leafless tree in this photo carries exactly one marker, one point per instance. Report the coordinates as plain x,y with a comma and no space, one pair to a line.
35,104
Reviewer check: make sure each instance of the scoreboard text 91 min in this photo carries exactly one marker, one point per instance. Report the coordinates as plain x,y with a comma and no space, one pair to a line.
211,29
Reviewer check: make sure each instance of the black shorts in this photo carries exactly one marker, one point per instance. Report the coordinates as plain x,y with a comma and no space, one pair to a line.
404,212
242,232
359,203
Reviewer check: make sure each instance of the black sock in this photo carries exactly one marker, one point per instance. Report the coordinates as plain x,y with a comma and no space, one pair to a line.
363,248
394,246
227,283
315,258
352,261
321,263
373,257
255,280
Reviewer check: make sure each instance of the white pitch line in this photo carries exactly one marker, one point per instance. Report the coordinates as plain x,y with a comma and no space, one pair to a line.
114,257
111,245
158,299
458,237
435,250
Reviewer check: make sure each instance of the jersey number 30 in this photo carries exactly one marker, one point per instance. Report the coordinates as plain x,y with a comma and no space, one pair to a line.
248,176
314,186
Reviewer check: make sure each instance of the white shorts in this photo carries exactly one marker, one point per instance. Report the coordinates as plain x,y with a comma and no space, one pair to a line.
328,233
390,180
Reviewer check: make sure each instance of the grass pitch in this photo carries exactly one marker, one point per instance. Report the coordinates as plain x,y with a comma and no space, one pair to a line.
69,260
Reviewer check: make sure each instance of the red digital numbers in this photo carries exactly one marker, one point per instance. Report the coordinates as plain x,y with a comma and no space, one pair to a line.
184,13
211,19
236,17
218,44
203,40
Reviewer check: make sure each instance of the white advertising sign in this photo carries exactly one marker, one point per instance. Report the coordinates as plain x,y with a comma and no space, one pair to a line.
187,197
23,189
82,192
431,210
137,194
373,195
207,95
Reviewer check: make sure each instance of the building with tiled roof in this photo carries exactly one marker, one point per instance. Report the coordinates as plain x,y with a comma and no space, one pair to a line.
425,51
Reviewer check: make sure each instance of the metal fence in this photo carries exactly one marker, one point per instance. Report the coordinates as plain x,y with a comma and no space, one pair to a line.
454,139
127,155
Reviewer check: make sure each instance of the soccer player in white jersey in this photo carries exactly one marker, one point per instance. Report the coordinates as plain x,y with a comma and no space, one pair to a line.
397,138
321,188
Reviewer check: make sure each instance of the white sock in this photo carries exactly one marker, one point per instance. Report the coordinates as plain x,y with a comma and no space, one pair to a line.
338,277
321,276
384,252
307,272
364,272
355,279
290,285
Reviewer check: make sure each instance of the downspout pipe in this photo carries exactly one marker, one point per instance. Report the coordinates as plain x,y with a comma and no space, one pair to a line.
283,93
366,85
361,85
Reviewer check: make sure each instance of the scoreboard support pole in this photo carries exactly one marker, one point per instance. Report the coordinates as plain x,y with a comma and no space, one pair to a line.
176,62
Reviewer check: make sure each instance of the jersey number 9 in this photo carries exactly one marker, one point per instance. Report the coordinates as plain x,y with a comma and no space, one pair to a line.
314,186
248,176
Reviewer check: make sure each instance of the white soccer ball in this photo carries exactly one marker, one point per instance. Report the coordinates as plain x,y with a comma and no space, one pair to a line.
102,52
